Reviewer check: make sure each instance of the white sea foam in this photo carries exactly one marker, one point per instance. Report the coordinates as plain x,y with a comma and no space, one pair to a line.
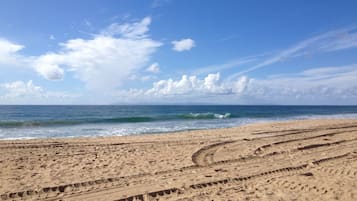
208,115
121,129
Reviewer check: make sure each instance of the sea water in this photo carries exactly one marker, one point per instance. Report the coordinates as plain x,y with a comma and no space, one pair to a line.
26,122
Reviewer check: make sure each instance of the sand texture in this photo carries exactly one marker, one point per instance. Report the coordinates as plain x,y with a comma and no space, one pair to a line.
297,160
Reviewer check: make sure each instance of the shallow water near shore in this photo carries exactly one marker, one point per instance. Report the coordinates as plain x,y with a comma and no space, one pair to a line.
27,122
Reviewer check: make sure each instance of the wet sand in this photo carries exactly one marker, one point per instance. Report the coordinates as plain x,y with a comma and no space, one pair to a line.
296,160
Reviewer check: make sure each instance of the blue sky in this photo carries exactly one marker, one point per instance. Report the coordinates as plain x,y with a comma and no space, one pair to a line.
184,52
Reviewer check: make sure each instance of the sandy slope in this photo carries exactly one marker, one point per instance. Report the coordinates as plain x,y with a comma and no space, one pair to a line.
300,160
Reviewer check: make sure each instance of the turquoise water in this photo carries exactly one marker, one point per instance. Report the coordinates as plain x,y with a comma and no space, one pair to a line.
18,122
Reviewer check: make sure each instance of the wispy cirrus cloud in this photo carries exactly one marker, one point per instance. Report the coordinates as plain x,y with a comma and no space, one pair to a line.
159,3
118,53
225,66
319,85
326,85
330,41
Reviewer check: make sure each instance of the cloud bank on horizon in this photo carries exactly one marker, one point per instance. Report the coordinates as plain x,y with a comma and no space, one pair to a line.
126,63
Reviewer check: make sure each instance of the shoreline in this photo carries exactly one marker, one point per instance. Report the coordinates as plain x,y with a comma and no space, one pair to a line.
221,164
329,118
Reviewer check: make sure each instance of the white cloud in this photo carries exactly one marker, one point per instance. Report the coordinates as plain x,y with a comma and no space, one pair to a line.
188,89
20,88
6,47
19,92
183,45
328,71
52,37
147,77
129,30
225,66
328,85
241,85
104,61
330,41
48,69
9,52
153,68
88,23
211,84
159,3
117,53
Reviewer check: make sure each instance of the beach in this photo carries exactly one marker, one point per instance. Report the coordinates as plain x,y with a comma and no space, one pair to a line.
290,160
164,100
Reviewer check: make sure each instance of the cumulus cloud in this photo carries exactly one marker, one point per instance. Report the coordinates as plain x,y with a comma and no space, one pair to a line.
103,61
327,85
193,85
183,45
188,89
153,68
117,53
48,69
20,88
20,92
240,85
190,85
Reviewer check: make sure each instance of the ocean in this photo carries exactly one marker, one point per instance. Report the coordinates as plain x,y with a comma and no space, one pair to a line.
28,122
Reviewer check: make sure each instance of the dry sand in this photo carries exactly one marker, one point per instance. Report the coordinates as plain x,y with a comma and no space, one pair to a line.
299,160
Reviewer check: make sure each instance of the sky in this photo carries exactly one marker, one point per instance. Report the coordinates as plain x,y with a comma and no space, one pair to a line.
178,52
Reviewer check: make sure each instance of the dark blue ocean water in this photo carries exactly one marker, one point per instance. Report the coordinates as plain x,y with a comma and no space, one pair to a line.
71,121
